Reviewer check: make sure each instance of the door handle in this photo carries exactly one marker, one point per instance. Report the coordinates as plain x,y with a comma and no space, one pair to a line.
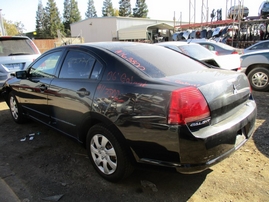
83,92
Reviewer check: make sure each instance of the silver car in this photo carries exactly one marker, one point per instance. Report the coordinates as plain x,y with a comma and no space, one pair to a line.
236,12
261,45
16,53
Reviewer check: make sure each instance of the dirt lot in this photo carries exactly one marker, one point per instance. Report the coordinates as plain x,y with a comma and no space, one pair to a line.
53,167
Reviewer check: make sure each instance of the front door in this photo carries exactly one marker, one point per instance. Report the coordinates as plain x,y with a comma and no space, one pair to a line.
33,92
72,97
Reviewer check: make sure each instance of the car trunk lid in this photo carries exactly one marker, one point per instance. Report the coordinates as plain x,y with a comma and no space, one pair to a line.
223,90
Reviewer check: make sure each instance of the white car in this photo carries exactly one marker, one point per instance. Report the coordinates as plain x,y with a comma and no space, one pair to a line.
16,53
196,51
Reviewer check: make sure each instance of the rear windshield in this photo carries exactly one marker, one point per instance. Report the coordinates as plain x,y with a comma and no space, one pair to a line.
16,46
225,46
156,61
196,51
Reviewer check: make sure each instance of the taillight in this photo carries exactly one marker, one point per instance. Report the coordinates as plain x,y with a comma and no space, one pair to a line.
234,52
239,69
33,46
187,105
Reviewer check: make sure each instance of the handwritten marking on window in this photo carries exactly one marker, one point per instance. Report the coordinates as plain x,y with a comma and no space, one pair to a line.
130,60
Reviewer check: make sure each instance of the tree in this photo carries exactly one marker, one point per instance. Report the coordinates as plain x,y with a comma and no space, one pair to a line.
107,9
125,8
71,15
52,20
20,27
116,12
141,9
91,12
11,28
40,21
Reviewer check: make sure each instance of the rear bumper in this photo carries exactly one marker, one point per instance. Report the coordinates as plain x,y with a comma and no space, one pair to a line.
214,143
205,147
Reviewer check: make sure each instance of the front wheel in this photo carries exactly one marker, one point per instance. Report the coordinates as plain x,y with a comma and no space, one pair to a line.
259,79
108,157
15,109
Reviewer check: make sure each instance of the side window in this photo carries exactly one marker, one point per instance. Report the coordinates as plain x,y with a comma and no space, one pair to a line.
212,48
96,70
205,45
77,64
258,46
46,66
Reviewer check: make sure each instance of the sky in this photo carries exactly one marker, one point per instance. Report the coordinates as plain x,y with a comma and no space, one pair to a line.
24,11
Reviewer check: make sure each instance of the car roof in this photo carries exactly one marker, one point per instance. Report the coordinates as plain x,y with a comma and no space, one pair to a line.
177,43
220,44
264,41
257,52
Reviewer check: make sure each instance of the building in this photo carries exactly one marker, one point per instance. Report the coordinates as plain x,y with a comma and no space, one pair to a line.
122,29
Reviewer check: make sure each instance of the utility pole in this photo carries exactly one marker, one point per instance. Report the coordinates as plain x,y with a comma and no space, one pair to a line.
204,12
192,6
2,28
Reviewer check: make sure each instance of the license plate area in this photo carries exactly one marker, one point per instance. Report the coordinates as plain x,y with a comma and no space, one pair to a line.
14,66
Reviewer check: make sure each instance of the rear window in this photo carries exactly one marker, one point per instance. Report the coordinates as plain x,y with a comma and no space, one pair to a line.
16,46
196,51
156,61
225,46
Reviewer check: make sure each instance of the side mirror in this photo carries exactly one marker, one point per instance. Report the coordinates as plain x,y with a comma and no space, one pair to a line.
21,74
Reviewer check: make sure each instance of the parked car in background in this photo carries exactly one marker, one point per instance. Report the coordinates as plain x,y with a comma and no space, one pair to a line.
218,47
261,45
238,11
256,67
228,62
136,102
263,11
16,53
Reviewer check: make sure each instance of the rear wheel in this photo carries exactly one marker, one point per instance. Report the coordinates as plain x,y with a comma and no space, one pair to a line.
259,79
15,109
108,157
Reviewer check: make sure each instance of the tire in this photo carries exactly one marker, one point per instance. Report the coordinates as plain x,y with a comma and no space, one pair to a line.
108,156
15,109
259,79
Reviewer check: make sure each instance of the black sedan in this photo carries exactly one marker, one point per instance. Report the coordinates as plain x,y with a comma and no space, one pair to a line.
135,103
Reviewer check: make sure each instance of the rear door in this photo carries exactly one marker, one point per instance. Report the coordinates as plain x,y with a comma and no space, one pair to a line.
71,94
